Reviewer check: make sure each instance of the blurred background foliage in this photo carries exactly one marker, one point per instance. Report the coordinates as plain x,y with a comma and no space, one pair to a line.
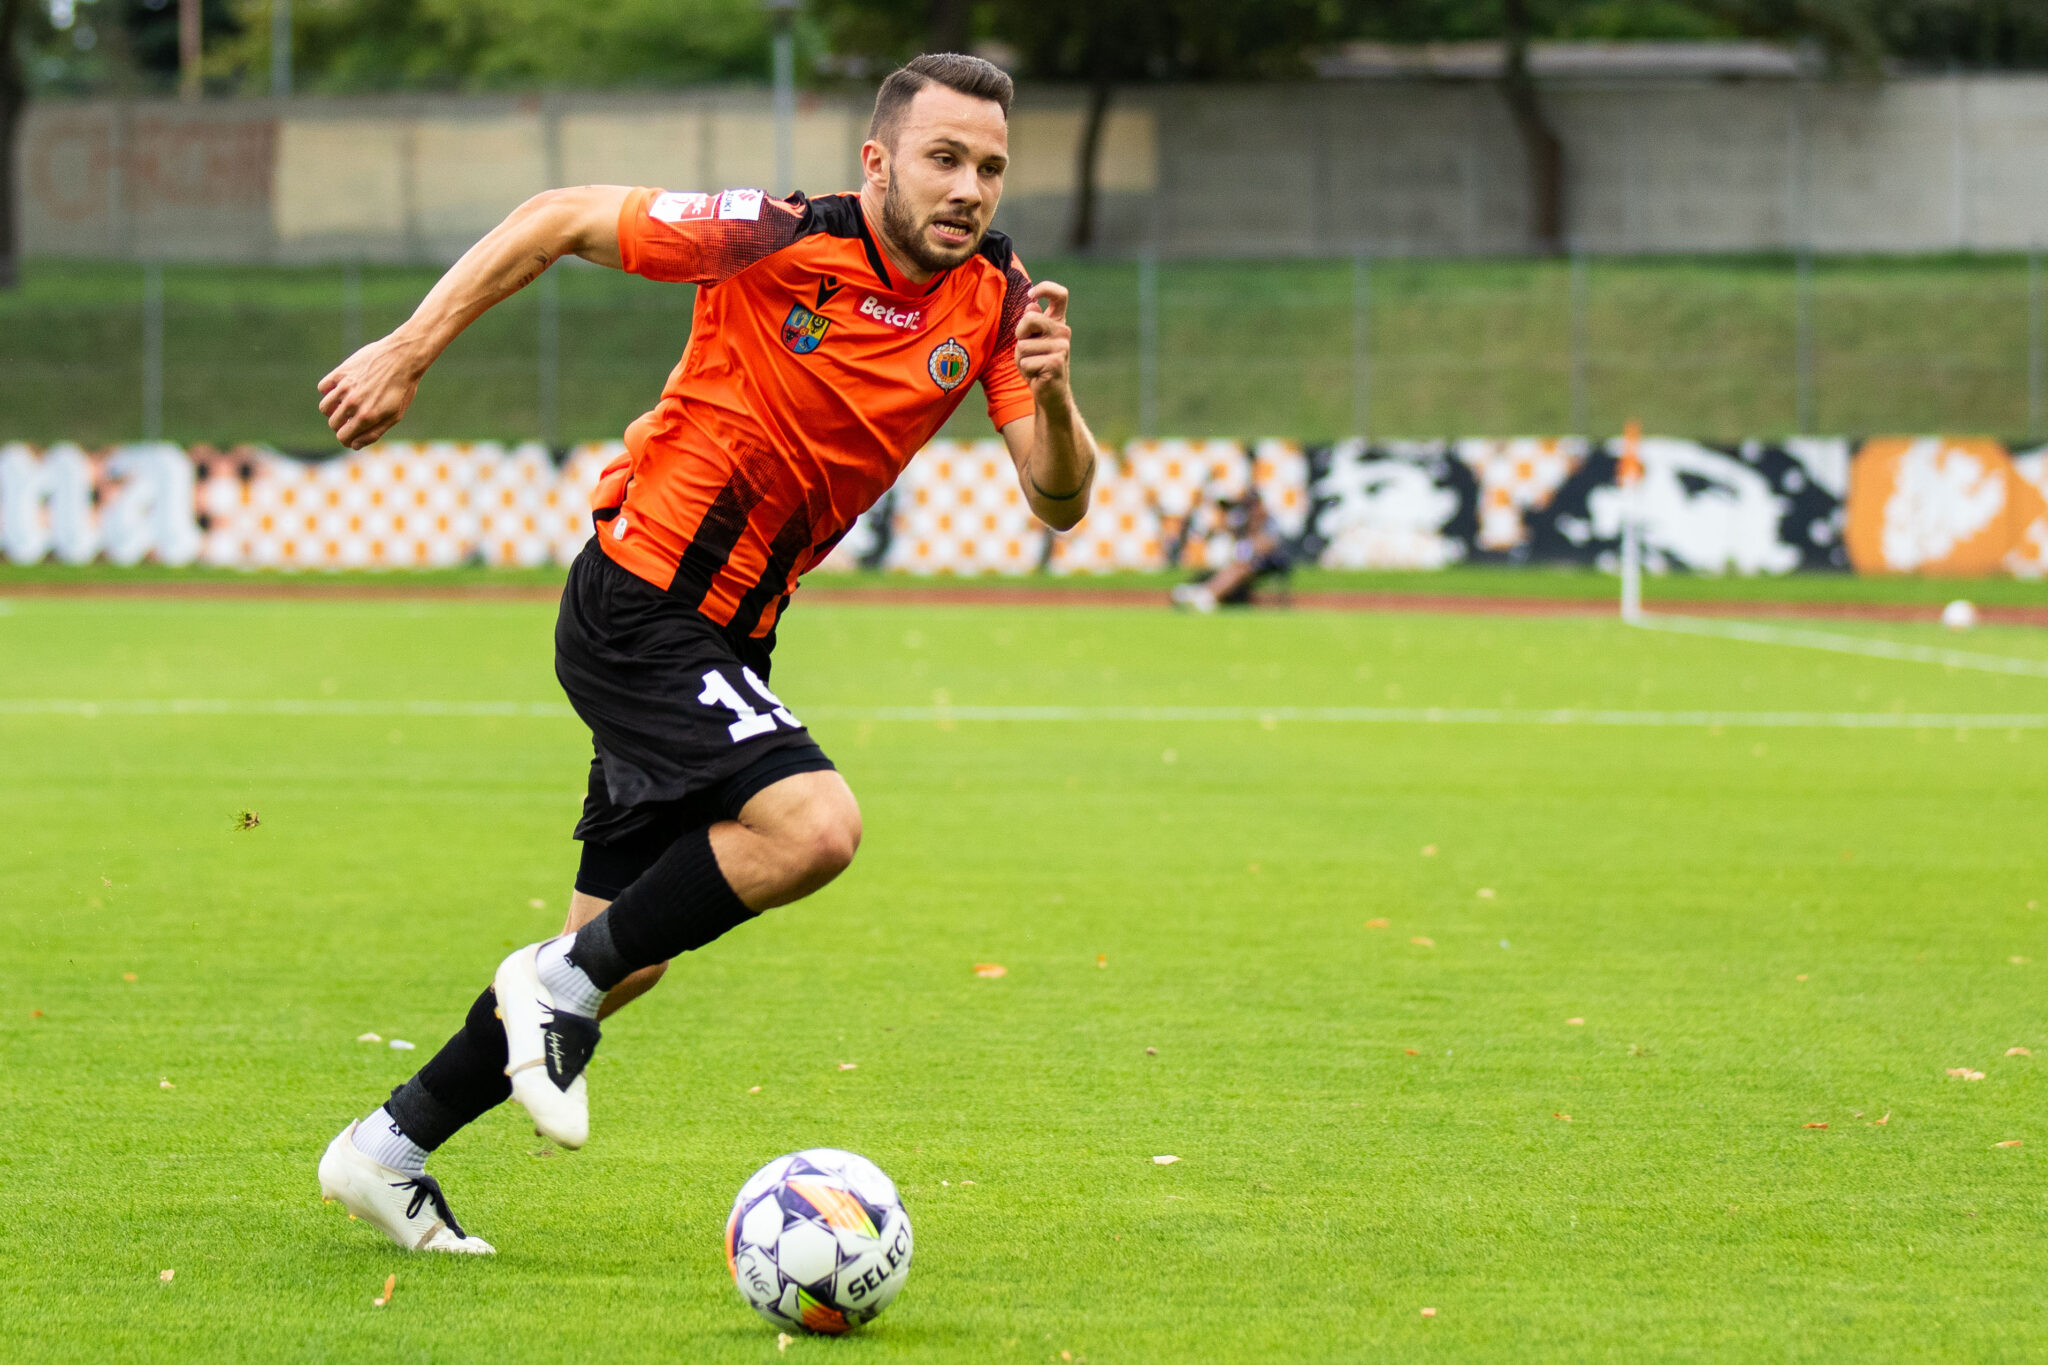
366,46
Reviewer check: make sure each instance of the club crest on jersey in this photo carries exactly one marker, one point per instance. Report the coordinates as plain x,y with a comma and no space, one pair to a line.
802,330
948,364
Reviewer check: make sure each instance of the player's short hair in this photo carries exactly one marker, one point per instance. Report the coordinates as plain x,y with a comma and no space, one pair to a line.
954,70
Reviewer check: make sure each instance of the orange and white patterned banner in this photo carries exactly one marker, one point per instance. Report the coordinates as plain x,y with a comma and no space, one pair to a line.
1946,505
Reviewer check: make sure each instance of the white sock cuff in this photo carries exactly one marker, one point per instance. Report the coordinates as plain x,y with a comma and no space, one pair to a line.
569,984
378,1137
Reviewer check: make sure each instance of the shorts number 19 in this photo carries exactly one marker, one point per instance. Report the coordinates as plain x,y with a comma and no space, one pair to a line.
718,691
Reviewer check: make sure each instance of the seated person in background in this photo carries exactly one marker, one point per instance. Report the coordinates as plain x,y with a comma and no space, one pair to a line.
1256,551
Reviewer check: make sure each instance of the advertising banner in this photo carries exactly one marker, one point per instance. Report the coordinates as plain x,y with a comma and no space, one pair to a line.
1927,504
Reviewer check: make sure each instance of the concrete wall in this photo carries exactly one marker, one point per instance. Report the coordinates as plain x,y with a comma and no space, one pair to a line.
1332,167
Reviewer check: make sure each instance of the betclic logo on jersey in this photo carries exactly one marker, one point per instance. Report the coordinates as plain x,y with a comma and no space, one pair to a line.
948,364
909,319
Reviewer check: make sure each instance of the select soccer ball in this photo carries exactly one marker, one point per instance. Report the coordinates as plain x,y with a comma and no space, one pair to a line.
818,1241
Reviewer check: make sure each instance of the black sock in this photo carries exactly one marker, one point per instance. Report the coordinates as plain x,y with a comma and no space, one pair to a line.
463,1081
680,903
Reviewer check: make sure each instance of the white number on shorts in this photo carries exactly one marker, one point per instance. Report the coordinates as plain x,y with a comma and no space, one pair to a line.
781,711
718,692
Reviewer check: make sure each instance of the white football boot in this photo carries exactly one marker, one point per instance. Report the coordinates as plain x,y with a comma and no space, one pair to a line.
409,1209
545,1050
1193,596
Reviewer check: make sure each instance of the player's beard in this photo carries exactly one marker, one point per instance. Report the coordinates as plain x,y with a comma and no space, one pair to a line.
905,231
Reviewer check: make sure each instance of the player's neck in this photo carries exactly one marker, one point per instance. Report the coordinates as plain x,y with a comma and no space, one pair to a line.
907,270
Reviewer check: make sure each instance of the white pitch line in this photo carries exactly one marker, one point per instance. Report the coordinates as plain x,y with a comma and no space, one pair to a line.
1840,644
236,706
1311,715
1444,715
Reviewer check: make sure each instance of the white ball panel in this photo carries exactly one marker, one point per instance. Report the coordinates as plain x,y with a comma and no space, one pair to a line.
808,1253
758,1183
761,1225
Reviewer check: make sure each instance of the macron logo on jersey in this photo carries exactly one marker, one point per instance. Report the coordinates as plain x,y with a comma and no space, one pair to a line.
740,204
908,319
672,207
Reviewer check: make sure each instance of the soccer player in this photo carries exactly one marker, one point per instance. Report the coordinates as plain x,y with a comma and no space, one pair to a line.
831,340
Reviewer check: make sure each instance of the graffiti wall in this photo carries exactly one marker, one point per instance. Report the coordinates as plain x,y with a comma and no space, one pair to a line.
1939,505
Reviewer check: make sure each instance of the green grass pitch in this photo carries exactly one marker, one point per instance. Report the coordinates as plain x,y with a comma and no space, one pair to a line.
1762,930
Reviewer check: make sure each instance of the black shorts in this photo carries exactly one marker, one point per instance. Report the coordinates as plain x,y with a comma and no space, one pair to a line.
685,728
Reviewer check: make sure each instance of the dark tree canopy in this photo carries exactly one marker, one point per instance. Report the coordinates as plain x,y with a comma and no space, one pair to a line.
346,46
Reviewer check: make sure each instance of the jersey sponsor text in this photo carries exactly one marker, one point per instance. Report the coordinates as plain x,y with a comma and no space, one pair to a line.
676,207
740,204
909,319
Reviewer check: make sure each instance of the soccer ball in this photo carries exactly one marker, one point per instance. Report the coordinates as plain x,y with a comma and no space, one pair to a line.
818,1241
1959,615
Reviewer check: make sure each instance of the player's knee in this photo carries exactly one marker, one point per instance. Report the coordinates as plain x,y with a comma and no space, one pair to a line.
833,841
811,826
823,843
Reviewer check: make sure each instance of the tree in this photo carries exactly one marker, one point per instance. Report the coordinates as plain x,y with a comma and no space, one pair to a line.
1107,44
1542,148
1997,34
1518,25
13,99
949,25
1847,30
1941,35
350,46
1101,44
130,46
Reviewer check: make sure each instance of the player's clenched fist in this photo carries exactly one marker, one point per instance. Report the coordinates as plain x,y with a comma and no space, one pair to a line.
365,395
1043,340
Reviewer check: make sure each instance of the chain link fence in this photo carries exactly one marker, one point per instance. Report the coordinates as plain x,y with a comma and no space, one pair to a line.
1310,349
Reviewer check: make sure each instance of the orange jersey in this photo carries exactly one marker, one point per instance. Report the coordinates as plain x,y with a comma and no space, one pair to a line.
813,374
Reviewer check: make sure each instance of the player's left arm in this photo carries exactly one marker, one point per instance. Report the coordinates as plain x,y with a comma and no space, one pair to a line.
1053,449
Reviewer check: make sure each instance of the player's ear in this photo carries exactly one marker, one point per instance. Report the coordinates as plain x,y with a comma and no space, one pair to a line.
874,163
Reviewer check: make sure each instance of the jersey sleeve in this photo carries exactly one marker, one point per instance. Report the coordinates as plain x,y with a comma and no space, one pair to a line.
1009,393
703,238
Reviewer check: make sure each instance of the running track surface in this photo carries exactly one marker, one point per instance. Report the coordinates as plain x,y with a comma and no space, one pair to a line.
973,595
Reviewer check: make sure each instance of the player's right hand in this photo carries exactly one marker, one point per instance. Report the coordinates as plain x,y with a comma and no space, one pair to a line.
365,395
1044,339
